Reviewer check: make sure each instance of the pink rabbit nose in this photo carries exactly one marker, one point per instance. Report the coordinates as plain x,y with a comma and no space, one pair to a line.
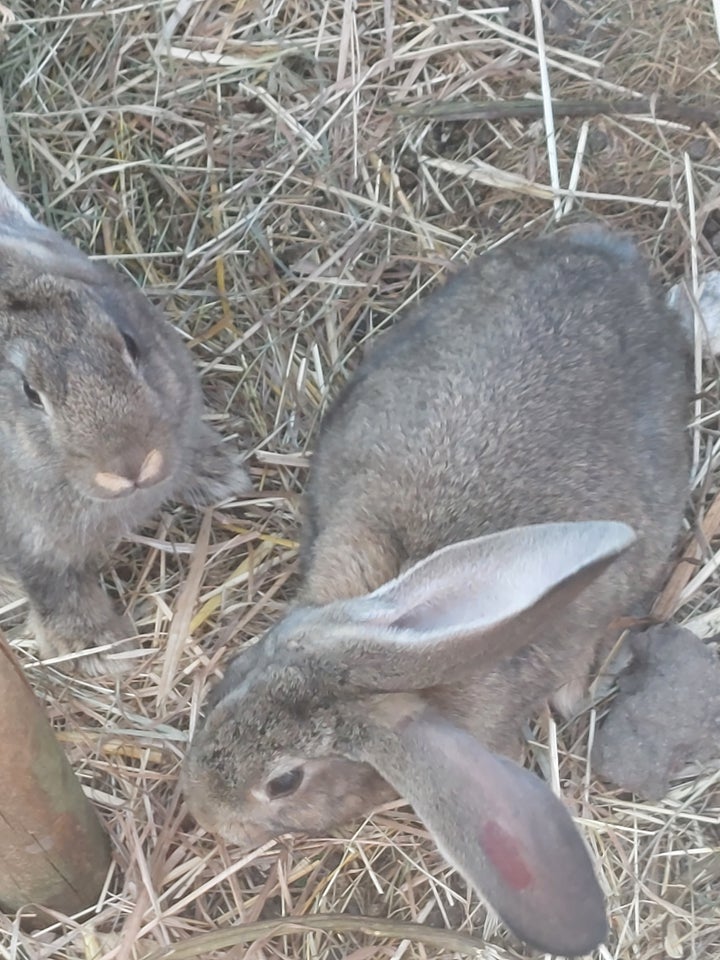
151,471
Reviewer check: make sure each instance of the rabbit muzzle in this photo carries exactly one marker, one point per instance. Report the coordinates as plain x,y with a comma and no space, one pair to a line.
236,823
131,474
115,484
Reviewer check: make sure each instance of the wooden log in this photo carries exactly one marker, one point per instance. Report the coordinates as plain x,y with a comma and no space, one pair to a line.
54,853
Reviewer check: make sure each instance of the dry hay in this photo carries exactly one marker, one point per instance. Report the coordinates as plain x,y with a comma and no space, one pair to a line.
245,163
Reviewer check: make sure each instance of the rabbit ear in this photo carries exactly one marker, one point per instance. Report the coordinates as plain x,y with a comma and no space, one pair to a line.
500,826
13,213
38,247
469,603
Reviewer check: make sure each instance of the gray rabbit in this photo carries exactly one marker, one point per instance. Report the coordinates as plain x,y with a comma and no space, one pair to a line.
100,423
503,476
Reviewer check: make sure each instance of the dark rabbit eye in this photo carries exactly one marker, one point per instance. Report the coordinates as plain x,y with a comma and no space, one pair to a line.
285,784
132,348
32,395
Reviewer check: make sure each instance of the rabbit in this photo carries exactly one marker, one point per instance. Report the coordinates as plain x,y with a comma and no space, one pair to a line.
100,424
503,476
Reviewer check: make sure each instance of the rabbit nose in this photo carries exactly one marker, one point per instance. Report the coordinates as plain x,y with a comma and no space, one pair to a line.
149,472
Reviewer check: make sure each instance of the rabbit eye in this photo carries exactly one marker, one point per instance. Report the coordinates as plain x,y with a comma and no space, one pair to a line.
131,346
32,395
285,784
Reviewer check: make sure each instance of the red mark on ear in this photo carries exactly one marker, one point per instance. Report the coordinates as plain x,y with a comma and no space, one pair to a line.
504,853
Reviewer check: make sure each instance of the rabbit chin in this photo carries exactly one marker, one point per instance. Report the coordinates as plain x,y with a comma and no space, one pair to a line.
334,791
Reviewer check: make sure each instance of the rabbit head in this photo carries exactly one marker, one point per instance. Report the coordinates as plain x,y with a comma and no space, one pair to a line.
333,712
93,384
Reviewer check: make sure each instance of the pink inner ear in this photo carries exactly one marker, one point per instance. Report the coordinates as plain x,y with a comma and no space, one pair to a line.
506,855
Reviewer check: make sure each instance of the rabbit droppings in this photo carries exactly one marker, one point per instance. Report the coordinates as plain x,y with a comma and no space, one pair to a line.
502,477
100,424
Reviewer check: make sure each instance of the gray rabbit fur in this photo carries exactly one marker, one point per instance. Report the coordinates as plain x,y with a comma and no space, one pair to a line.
100,424
504,475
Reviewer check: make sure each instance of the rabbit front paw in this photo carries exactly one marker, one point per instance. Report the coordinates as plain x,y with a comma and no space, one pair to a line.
216,473
75,622
93,649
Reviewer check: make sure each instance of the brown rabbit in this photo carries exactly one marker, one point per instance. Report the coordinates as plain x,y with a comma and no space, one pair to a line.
100,424
468,544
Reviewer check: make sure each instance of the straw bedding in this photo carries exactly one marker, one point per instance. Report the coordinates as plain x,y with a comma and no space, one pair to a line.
256,168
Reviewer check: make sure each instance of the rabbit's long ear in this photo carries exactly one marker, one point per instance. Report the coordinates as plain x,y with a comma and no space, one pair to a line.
14,215
40,249
500,826
467,604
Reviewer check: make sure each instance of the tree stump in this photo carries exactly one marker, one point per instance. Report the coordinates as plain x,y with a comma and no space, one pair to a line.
54,852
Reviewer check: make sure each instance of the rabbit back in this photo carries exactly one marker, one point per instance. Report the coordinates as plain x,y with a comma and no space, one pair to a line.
547,382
